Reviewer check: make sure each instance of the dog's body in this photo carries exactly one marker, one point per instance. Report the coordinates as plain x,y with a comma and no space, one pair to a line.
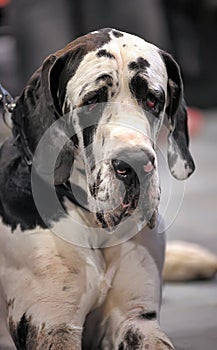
106,95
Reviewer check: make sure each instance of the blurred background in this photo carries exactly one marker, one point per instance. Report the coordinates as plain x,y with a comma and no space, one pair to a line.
32,29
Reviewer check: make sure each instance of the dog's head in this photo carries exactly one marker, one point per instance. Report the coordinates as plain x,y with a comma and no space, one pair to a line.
115,90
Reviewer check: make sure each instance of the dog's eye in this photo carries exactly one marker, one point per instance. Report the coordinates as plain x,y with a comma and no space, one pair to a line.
92,98
151,101
91,102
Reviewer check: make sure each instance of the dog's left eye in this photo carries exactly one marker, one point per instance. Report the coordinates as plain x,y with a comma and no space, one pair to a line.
151,101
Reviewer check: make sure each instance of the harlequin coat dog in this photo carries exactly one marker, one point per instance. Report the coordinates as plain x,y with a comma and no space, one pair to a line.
89,276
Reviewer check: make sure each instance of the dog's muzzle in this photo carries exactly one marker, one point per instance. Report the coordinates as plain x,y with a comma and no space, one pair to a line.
130,188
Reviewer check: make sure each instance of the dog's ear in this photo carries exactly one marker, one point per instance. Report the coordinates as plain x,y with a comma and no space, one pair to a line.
52,70
180,160
39,107
56,71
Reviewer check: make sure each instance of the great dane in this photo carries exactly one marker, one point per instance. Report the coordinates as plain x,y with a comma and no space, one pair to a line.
82,268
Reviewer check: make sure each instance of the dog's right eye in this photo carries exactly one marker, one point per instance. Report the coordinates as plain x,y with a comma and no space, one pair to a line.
91,99
91,102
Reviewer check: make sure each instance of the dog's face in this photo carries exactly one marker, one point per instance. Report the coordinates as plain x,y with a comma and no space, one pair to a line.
115,89
117,97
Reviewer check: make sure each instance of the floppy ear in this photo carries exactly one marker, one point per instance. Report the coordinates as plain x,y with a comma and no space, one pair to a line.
56,71
39,107
180,160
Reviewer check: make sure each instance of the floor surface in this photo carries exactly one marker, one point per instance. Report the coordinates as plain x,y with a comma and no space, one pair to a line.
189,311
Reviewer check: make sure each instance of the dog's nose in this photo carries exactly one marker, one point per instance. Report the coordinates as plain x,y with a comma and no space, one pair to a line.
130,166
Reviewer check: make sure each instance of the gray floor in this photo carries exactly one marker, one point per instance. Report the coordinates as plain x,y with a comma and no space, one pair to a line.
189,311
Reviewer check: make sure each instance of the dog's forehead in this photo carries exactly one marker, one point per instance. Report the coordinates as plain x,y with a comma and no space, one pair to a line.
122,52
130,47
134,53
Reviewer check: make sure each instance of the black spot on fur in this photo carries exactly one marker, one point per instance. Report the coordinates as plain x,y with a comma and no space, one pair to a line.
66,109
140,64
22,329
149,315
95,188
117,34
83,89
22,332
133,65
10,303
138,87
88,134
106,78
100,218
133,339
105,53
27,336
121,346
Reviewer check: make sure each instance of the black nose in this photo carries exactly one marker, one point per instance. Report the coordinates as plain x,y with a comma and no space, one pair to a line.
130,165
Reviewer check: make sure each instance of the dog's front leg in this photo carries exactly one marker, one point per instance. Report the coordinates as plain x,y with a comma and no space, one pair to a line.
131,311
49,286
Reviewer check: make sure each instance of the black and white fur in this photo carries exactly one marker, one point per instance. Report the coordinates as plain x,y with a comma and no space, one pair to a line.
50,288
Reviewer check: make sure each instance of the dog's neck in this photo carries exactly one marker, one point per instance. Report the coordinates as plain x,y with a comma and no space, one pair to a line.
17,205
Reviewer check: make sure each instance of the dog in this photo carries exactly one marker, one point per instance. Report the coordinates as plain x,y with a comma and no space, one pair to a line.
81,257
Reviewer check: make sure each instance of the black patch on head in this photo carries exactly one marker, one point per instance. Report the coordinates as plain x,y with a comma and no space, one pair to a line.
117,34
140,90
139,87
148,315
106,78
105,53
139,64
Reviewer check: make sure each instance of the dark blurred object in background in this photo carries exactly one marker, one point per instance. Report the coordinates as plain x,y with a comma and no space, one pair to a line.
30,30
193,32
